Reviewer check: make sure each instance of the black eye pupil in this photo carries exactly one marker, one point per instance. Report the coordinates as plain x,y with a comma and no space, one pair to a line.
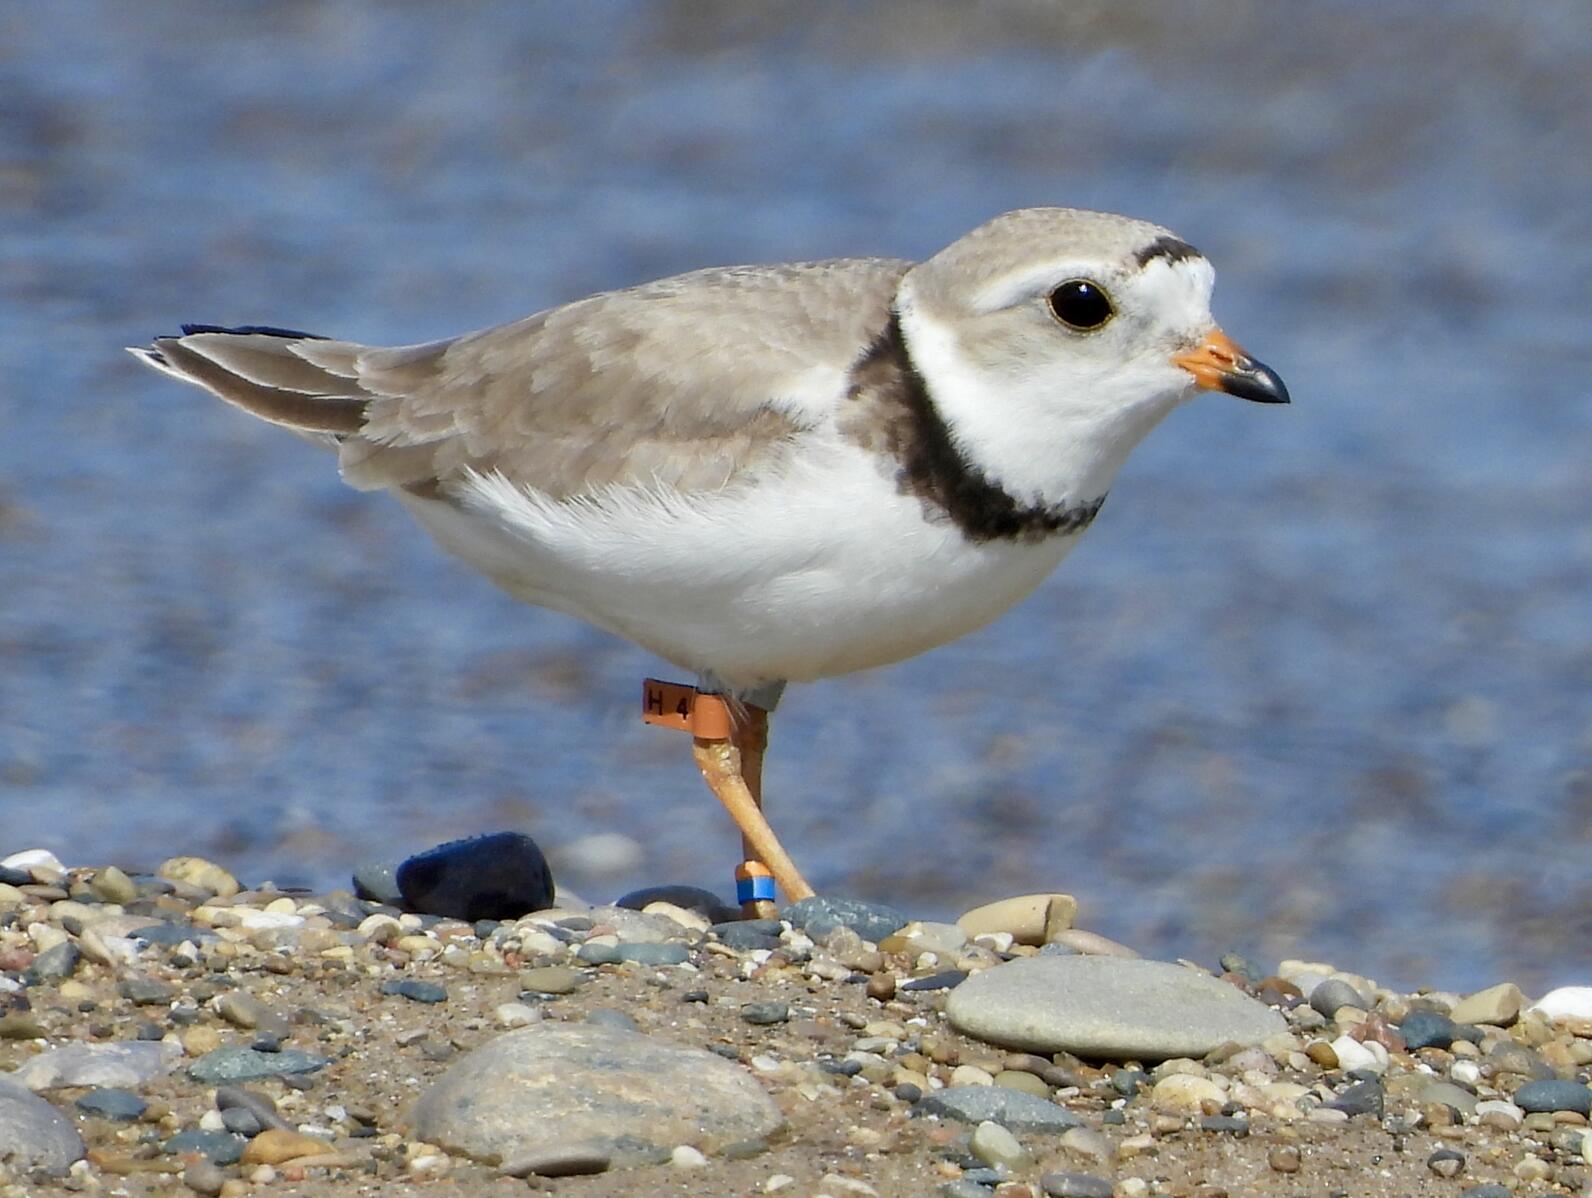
1080,304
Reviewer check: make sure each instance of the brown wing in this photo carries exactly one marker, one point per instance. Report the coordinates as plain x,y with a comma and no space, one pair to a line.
681,383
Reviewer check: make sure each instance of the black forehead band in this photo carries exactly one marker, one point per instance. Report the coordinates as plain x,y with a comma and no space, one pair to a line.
1167,247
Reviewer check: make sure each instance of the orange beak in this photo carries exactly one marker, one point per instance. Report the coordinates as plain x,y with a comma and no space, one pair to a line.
1219,365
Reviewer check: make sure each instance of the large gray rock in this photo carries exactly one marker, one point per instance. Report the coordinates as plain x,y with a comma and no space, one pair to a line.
618,1093
1107,1007
126,1063
33,1134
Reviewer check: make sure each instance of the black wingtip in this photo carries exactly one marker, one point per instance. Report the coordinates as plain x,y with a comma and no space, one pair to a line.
264,330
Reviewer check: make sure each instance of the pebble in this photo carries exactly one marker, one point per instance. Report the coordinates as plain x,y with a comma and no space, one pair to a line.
1497,1006
1445,1162
256,1105
687,1157
503,875
749,935
1012,1109
1491,1190
1284,1158
217,1147
112,1102
59,961
1032,919
236,1063
655,954
997,1147
946,979
378,882
820,915
1075,1185
203,1177
112,885
415,990
550,979
765,1012
1333,994
1456,1098
1087,1143
1107,1007
197,872
33,1134
557,1085
123,1063
1186,1094
1428,1029
146,991
1362,1098
1554,1095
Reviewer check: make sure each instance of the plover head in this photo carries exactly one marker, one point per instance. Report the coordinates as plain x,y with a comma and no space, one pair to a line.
1053,339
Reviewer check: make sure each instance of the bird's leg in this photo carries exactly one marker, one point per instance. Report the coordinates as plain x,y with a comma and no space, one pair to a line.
733,769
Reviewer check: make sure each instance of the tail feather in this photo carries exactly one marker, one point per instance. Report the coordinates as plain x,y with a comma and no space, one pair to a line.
256,368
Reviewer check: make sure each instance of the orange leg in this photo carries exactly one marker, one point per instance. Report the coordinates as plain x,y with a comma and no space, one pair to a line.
733,769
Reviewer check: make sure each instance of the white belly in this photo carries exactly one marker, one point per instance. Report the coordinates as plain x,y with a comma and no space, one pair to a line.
819,570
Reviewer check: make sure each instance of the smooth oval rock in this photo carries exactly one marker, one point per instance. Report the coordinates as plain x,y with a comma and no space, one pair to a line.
1554,1095
33,1134
1107,1007
1012,1109
500,876
1497,1005
1028,918
1569,1003
619,1094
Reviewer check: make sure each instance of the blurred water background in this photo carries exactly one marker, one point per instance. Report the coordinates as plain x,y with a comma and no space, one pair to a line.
1316,684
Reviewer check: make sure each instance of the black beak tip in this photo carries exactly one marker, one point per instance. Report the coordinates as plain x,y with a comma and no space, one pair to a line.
1257,382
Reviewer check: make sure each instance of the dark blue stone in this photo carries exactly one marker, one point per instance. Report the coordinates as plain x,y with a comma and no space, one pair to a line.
15,877
1231,1124
749,935
112,1103
415,991
218,1147
946,979
820,915
501,876
1362,1098
1428,1029
1554,1095
598,954
693,898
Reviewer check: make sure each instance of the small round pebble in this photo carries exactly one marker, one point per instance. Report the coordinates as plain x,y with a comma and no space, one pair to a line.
550,979
996,1146
765,1012
204,1177
1284,1159
1445,1162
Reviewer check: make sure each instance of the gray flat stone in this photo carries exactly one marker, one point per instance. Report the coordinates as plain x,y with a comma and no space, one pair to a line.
33,1134
603,1091
125,1063
820,915
1107,1007
1012,1109
235,1063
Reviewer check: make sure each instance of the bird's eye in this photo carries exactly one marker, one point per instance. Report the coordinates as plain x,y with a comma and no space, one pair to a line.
1082,305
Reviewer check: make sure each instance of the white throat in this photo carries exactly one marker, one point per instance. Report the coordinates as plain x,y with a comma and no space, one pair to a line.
1045,441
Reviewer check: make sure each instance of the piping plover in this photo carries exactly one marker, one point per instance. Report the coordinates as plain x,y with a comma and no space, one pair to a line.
767,474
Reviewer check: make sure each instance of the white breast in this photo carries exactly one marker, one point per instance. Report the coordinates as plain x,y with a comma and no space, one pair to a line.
820,567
